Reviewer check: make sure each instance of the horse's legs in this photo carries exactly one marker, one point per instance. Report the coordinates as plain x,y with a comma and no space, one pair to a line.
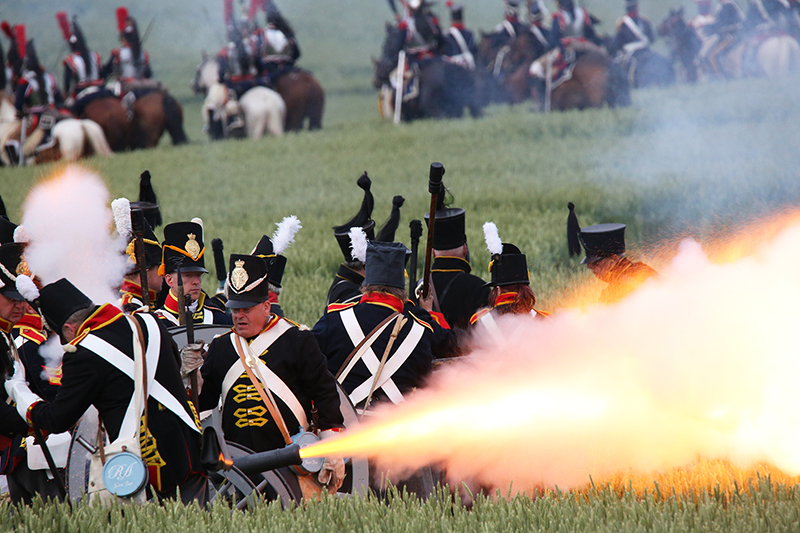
173,115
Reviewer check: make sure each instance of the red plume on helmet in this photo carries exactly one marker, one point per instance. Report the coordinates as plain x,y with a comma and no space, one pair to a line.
19,33
122,18
63,23
227,11
6,27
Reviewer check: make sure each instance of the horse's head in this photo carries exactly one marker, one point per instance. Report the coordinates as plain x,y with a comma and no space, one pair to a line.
670,25
206,75
388,60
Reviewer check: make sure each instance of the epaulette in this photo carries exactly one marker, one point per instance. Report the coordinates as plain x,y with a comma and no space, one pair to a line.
339,307
543,314
478,314
295,324
33,335
422,322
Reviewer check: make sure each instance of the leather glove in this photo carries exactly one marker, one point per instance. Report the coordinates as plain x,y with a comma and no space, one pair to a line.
191,358
332,472
18,391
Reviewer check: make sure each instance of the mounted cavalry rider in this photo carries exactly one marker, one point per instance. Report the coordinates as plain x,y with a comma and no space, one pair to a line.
98,368
82,68
37,99
510,27
183,245
275,43
420,31
269,373
16,51
511,291
239,63
720,35
130,63
402,339
634,34
571,33
536,15
460,47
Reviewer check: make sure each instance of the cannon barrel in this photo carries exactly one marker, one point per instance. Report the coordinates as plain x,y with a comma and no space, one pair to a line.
269,460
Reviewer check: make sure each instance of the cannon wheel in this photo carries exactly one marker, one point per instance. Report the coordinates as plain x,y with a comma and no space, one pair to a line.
79,457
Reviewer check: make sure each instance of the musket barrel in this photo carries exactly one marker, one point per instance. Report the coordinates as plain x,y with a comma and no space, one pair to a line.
269,460
434,187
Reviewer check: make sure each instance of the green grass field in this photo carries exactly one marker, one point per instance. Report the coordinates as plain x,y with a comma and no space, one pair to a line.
689,160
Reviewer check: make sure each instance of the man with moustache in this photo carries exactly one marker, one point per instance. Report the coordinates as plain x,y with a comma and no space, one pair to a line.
183,245
99,344
269,372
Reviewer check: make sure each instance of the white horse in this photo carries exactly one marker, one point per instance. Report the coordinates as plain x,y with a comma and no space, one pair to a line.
72,138
778,56
263,111
207,75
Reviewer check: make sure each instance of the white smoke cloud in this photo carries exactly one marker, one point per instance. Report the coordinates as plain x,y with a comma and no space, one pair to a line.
701,362
52,353
69,222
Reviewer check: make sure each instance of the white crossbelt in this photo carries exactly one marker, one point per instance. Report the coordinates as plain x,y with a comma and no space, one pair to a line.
263,373
488,322
372,362
462,44
125,364
208,317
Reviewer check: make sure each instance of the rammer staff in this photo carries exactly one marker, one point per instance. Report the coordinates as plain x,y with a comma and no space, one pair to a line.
137,223
434,187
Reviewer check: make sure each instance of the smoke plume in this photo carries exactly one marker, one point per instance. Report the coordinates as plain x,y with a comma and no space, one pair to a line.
699,363
69,222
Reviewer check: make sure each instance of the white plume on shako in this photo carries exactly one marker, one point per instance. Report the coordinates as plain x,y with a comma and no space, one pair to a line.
284,234
358,244
70,226
699,363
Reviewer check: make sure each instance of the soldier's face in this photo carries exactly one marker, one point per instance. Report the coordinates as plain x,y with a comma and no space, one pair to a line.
250,321
192,283
12,310
153,279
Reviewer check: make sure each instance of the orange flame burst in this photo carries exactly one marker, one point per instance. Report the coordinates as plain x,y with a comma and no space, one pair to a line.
696,368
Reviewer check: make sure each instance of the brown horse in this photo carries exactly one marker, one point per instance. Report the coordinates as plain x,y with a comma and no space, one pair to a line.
154,112
594,81
304,98
112,118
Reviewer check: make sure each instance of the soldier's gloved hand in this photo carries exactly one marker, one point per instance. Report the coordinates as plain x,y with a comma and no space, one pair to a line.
18,391
332,472
192,357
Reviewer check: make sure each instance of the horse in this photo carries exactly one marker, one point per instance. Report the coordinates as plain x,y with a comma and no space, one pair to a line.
263,111
767,52
111,116
206,75
153,112
72,138
646,68
444,88
304,97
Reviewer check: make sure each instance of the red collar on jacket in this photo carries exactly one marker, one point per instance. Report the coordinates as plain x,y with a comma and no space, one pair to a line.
171,303
131,287
103,316
505,299
387,300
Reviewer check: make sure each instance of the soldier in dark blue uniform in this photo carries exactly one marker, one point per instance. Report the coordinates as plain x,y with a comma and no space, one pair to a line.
183,244
458,292
282,358
347,283
634,33
99,340
419,338
460,46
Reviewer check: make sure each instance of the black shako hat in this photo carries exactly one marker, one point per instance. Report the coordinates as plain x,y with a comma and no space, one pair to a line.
448,232
247,281
275,263
60,300
152,248
509,267
10,262
362,219
602,240
183,243
385,264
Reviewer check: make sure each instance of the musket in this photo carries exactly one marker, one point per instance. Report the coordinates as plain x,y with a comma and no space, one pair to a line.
137,223
416,233
434,187
186,319
147,31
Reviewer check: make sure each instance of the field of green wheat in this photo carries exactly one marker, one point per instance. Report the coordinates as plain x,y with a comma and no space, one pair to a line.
688,160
